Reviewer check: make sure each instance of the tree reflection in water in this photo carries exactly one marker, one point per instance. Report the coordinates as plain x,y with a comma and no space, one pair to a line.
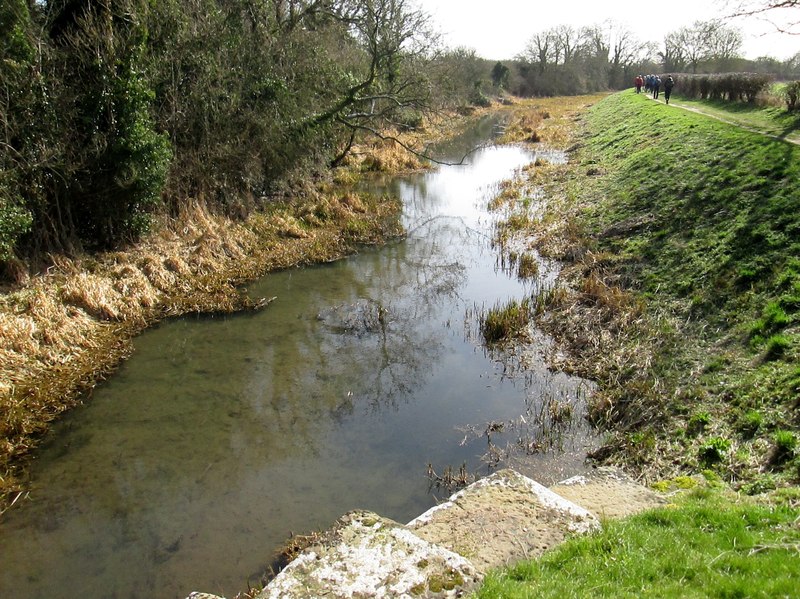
222,435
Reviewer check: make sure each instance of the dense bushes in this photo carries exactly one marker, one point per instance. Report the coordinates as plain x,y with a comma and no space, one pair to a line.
17,150
112,111
116,160
734,87
791,94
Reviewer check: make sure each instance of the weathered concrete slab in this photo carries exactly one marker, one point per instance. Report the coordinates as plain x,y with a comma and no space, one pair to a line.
366,555
501,519
496,521
608,493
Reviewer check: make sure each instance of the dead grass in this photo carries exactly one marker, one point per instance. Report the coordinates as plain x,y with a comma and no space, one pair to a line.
66,329
388,156
603,331
546,120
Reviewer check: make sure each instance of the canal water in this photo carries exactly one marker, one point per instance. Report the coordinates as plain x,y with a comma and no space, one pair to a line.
222,436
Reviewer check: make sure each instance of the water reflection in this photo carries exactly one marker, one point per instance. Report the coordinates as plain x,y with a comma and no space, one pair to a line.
220,436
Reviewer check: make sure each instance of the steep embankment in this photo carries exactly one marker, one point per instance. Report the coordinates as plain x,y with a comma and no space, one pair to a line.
684,234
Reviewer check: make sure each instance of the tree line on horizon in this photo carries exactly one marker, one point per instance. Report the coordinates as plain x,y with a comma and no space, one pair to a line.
115,110
565,60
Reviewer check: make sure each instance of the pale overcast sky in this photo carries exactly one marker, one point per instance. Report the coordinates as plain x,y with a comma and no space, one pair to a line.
500,29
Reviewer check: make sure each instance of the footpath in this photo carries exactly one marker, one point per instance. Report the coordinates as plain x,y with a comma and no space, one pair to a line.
446,551
792,137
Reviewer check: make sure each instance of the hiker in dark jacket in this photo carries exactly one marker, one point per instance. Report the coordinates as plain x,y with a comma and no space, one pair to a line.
668,83
656,86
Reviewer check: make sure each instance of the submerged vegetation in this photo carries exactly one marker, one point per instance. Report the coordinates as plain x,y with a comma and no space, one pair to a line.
187,146
157,155
67,329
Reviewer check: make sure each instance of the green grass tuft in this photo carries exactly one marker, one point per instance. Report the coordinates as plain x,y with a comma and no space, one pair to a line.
705,546
714,450
504,322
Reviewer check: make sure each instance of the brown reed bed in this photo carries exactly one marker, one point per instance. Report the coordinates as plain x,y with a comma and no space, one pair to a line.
64,330
603,330
549,121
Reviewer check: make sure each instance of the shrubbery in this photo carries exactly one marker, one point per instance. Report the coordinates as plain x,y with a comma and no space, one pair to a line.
734,87
114,111
791,94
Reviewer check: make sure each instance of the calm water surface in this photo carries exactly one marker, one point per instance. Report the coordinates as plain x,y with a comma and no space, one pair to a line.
221,436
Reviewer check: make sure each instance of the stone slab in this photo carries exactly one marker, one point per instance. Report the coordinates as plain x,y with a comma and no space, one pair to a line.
366,555
608,492
496,521
502,519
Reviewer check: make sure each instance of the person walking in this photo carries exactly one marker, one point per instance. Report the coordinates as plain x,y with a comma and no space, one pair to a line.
638,83
656,86
669,82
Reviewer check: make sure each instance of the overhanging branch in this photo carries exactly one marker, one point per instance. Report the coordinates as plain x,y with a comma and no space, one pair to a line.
423,154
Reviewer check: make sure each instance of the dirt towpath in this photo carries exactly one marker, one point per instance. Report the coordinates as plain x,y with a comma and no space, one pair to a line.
792,137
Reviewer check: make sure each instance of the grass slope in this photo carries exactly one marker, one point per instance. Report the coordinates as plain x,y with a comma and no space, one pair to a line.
705,545
680,234
770,119
698,220
721,205
681,292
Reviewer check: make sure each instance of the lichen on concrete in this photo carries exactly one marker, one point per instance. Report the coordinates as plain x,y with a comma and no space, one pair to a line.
366,555
608,492
442,553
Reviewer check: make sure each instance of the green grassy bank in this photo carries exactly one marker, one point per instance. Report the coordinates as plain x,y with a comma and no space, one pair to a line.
680,297
771,118
685,237
706,544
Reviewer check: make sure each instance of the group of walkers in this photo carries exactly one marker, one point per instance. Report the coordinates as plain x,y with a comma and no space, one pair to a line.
652,85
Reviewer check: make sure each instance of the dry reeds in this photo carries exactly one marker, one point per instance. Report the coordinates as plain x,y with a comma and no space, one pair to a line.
66,329
389,156
602,330
545,120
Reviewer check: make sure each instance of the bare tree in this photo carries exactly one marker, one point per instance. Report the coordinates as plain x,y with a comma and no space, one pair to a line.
567,41
395,40
626,49
541,50
726,43
704,41
783,15
673,57
695,42
596,43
